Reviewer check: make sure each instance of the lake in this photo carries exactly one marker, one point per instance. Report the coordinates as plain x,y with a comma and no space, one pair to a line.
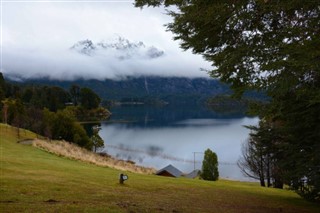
177,135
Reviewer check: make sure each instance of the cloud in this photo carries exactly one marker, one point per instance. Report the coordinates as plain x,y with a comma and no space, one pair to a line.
36,41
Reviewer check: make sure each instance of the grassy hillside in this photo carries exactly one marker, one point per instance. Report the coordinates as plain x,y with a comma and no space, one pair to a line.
33,180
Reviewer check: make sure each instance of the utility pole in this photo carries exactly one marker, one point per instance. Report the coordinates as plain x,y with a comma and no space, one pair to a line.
194,159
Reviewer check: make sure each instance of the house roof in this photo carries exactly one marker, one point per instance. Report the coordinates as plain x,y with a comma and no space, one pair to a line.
170,169
193,174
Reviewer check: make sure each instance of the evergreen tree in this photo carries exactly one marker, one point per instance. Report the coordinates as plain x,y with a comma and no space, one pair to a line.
75,94
2,88
210,166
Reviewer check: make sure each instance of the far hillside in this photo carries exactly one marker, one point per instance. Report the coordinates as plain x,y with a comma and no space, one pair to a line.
150,89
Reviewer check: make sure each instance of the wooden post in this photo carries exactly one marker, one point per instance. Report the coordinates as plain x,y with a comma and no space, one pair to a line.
121,180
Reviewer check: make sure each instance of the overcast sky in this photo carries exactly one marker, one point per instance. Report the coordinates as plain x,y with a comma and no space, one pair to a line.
36,37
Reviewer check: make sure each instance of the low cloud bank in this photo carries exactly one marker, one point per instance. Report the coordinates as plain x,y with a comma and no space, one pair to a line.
69,40
99,60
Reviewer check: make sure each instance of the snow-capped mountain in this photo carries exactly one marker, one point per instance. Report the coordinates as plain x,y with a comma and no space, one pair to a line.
118,47
85,47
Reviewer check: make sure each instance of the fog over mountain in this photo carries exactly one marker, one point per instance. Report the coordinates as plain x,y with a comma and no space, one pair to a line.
91,40
119,47
105,59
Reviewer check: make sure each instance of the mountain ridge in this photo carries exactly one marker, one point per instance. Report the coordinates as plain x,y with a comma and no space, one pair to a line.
118,47
169,89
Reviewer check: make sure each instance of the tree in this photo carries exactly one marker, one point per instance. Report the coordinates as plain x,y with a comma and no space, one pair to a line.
252,161
75,94
96,140
62,125
47,123
2,95
19,115
268,45
56,98
299,113
6,103
80,136
14,113
89,99
251,43
262,153
210,166
53,98
34,121
2,87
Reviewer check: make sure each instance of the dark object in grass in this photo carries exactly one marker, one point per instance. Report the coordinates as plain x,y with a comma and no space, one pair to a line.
51,201
123,178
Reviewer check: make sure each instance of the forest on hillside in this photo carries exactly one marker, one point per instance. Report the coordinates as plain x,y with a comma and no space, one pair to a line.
51,111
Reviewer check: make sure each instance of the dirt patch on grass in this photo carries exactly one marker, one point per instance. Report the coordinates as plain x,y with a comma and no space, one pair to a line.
51,201
26,141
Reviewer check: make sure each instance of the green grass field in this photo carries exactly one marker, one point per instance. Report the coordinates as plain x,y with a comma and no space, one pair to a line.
33,180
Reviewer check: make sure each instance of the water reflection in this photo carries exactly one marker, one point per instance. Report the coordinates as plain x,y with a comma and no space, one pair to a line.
170,115
175,141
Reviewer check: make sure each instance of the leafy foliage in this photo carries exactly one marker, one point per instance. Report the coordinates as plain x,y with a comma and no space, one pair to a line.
210,166
223,103
53,98
251,43
2,87
268,45
89,99
63,125
96,140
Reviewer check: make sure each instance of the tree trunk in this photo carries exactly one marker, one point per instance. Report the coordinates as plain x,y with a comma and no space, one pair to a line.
262,183
268,171
278,183
261,176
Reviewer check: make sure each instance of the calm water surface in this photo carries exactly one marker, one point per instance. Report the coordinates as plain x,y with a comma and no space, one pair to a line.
177,135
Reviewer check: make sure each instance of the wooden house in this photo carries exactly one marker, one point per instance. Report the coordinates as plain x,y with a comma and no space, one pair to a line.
169,171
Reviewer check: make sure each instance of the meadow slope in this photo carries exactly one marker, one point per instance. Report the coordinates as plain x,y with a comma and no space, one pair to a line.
33,180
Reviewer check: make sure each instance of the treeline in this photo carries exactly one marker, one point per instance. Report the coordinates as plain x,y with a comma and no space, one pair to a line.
225,103
229,104
284,148
148,89
51,111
